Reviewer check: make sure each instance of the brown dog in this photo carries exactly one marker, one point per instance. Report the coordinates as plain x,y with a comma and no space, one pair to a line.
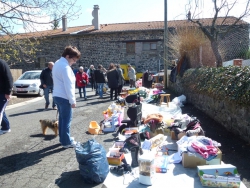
47,123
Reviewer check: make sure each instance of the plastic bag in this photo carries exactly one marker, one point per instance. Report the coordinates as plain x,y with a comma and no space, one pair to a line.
179,101
92,160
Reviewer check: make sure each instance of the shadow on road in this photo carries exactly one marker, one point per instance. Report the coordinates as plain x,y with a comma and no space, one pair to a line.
73,179
16,162
26,113
46,137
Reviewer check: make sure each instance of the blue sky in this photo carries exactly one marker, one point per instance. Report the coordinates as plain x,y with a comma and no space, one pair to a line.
121,11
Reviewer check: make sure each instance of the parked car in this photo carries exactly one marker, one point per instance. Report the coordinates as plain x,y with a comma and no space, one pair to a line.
28,84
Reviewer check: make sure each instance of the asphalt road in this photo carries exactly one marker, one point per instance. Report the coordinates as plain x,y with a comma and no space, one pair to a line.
29,159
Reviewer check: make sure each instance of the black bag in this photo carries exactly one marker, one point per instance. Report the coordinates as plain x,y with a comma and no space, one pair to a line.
41,86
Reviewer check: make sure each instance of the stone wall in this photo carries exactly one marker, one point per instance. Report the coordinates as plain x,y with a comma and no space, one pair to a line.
104,49
233,117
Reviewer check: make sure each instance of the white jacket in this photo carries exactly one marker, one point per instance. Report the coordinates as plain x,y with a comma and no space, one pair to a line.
64,80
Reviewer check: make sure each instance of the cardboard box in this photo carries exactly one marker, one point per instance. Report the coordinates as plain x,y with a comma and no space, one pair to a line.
191,161
219,175
115,160
161,163
118,144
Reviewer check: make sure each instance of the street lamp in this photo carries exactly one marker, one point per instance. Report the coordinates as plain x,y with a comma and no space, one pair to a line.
165,56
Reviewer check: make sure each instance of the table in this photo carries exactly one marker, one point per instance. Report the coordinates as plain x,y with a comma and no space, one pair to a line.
176,176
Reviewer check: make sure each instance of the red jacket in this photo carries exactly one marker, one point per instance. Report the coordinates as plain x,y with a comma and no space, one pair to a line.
80,77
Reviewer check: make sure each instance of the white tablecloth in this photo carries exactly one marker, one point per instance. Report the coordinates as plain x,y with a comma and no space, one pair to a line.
177,176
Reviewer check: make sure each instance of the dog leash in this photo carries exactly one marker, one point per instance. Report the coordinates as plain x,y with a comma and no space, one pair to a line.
56,114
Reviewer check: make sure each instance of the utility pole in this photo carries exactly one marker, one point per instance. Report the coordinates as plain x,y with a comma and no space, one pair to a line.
165,56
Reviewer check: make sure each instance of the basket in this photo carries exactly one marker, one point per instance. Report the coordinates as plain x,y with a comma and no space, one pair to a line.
94,128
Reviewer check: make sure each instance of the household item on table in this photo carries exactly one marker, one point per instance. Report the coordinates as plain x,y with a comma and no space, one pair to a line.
146,168
134,111
114,157
133,144
156,140
94,128
225,175
160,163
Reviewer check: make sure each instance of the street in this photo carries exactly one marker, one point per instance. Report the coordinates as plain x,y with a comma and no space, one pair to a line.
29,159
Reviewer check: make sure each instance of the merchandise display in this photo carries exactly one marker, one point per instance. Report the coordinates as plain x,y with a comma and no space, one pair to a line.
156,145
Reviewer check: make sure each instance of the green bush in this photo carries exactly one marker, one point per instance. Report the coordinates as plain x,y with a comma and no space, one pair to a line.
230,83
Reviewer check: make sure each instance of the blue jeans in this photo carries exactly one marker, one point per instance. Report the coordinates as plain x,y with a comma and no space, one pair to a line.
46,95
84,91
65,116
5,124
100,88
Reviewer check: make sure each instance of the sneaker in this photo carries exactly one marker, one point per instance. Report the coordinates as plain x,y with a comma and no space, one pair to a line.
54,108
72,145
46,107
4,131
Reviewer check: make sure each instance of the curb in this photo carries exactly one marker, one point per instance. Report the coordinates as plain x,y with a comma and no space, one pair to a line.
23,103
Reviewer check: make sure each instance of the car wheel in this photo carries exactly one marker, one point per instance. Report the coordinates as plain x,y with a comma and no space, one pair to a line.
40,93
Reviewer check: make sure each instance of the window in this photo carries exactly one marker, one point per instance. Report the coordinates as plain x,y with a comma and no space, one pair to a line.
130,47
149,46
41,62
152,46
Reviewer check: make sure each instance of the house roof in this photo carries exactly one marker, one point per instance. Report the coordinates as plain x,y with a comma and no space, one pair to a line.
127,27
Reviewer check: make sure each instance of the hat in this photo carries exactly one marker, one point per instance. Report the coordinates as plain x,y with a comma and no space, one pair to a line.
81,67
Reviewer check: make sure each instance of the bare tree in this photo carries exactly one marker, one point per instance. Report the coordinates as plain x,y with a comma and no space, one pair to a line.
30,16
216,28
55,23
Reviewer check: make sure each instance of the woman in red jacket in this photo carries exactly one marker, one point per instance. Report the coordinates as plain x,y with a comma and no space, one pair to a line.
82,81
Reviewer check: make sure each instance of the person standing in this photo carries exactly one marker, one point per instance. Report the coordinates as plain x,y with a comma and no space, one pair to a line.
91,76
113,77
147,79
64,93
6,84
47,83
120,80
82,81
100,80
131,76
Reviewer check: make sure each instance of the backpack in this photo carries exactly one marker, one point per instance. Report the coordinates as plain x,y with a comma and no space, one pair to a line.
150,77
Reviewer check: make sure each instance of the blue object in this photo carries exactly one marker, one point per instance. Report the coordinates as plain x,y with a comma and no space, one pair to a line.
93,162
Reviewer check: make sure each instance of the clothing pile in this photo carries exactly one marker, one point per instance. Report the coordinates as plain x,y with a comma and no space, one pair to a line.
200,146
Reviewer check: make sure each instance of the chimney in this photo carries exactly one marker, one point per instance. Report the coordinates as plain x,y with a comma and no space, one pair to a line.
95,14
64,23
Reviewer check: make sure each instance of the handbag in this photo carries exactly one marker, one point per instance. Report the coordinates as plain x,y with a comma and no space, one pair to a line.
41,86
84,81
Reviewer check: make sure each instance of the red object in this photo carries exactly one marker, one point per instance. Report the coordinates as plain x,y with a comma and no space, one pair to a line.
237,62
80,77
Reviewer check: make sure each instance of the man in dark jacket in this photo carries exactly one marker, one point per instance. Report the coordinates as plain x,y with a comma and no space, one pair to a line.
47,83
100,80
6,84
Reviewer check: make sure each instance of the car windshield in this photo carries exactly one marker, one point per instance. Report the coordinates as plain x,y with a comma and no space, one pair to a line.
30,76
